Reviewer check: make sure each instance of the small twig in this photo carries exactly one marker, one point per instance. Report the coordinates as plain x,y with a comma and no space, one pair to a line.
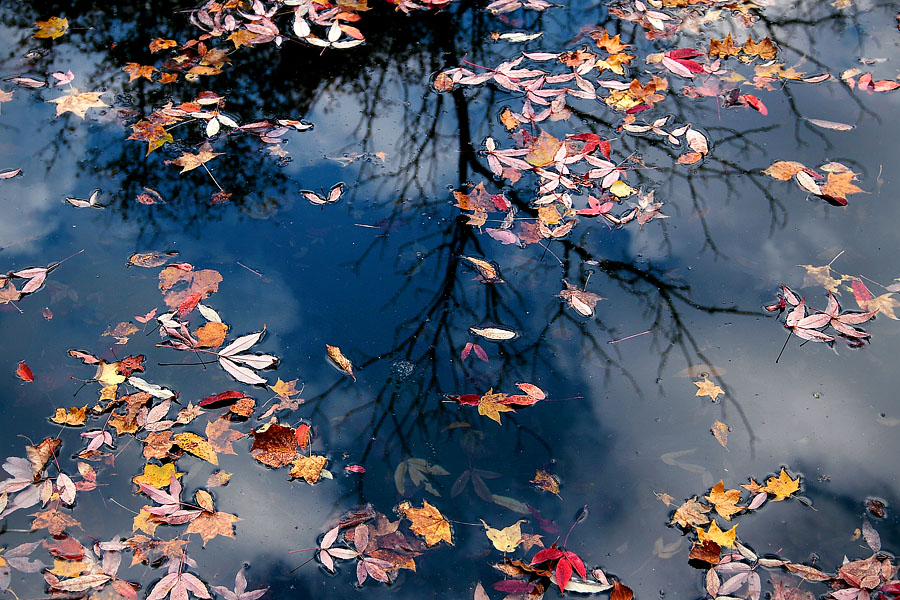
790,333
211,177
249,269
628,337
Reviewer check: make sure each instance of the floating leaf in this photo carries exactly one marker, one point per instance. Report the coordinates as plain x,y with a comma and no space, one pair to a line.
427,522
335,354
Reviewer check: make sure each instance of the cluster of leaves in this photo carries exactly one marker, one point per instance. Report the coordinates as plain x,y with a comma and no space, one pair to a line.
733,569
836,187
491,404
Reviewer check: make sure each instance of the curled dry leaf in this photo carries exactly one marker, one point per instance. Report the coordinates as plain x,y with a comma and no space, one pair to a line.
335,354
497,333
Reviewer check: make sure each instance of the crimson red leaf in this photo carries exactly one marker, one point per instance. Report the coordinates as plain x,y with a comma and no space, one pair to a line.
467,399
189,303
222,399
24,372
683,53
577,564
755,103
546,554
563,574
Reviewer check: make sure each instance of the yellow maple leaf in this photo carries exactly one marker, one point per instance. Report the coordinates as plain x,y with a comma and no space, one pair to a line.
211,335
884,304
821,276
308,468
77,102
490,407
188,161
708,388
722,538
157,476
543,150
723,48
427,522
506,539
690,514
145,521
285,389
725,501
838,185
764,48
782,486
52,28
210,525
196,445
240,37
69,568
73,416
613,45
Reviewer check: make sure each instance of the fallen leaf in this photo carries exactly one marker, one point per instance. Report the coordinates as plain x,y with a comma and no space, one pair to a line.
691,513
490,406
218,478
308,468
547,482
725,501
274,445
708,388
23,372
157,476
782,486
506,539
220,435
78,102
52,28
196,445
714,534
495,334
720,431
74,416
189,162
427,522
210,525
335,354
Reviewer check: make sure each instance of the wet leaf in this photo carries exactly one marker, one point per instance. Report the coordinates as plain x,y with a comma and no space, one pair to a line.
720,432
78,102
782,486
716,535
52,28
427,522
495,334
157,476
210,525
708,388
189,162
691,513
725,501
274,445
308,468
335,354
221,436
506,539
196,445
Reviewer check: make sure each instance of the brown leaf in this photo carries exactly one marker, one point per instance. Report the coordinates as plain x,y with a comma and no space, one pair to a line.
720,432
211,525
188,161
73,416
274,445
620,592
335,354
427,522
220,435
691,513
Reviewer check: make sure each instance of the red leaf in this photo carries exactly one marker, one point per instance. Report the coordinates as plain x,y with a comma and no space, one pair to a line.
229,397
189,304
592,141
546,554
480,353
860,292
639,108
514,586
691,65
465,352
576,563
24,372
467,399
680,53
563,574
355,468
302,435
755,103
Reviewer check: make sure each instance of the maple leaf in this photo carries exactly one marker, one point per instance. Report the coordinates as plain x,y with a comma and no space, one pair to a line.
220,435
178,583
240,589
427,522
308,468
274,445
764,48
714,534
136,71
708,388
884,304
145,521
490,405
157,476
285,389
54,521
821,276
209,525
161,44
78,102
73,416
188,161
782,486
838,185
690,514
723,48
52,28
506,539
725,501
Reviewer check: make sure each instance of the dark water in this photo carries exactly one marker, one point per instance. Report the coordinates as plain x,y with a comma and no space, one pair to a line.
379,274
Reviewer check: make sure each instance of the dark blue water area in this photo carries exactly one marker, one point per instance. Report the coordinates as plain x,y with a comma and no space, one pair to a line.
380,275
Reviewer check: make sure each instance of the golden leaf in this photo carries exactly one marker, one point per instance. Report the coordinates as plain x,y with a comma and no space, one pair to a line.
708,388
204,500
838,185
211,335
108,374
884,304
53,520
69,568
427,522
196,445
546,481
52,28
211,525
783,170
509,121
714,534
764,48
691,513
720,431
782,486
613,45
145,522
723,48
285,389
543,150
160,44
77,102
188,161
506,539
73,416
821,276
620,189
157,476
240,37
137,70
335,354
243,407
490,407
725,501
308,468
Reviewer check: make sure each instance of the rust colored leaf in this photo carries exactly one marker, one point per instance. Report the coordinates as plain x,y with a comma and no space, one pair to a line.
707,552
335,354
427,522
620,591
23,371
54,521
220,435
210,525
274,445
